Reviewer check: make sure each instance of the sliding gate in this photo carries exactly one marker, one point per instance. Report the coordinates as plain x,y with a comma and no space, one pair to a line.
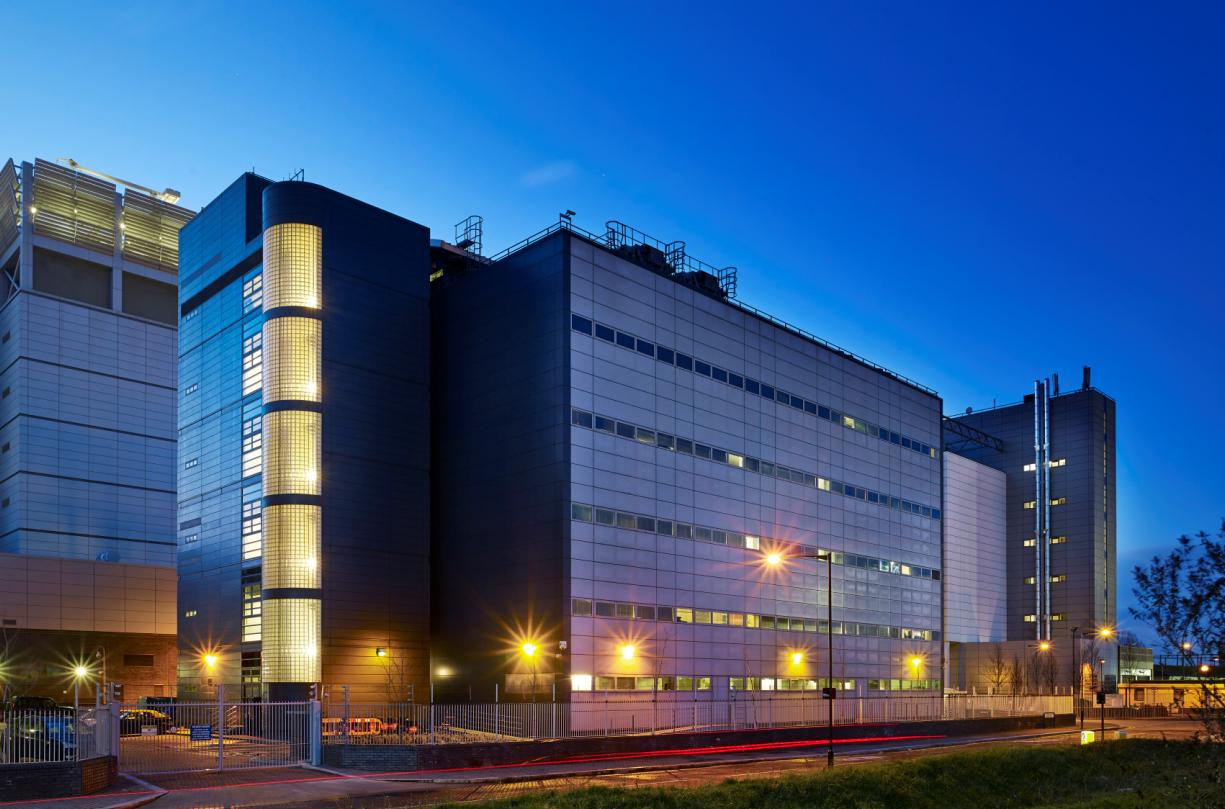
216,736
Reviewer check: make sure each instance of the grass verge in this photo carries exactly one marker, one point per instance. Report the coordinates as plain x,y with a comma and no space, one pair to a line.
1132,773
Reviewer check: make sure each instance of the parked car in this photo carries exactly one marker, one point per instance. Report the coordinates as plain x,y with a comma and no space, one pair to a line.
133,721
32,704
39,735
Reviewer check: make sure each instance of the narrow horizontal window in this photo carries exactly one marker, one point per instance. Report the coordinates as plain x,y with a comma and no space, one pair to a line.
646,348
605,333
580,606
718,374
578,511
580,324
684,361
700,367
580,417
752,386
605,425
735,380
625,340
664,355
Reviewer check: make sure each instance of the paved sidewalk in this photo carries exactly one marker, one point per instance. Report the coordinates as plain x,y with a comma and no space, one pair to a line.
307,787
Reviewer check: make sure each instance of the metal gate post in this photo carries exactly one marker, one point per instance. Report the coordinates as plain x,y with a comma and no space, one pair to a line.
315,729
496,711
221,726
113,728
433,738
554,733
345,727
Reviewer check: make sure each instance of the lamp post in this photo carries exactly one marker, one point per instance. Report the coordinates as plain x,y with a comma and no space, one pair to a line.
77,673
829,692
1078,679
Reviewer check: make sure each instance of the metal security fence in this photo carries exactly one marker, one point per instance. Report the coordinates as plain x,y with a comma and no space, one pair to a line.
407,723
53,735
216,735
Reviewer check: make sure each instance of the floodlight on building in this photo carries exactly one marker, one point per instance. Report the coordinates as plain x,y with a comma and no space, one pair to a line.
627,652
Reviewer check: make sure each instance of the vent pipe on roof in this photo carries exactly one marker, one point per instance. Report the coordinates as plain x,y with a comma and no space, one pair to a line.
1055,384
1085,384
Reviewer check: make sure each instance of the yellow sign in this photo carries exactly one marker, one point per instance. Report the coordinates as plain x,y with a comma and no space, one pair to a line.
1086,737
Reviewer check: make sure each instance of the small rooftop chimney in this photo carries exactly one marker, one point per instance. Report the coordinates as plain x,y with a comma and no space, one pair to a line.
1085,384
1055,378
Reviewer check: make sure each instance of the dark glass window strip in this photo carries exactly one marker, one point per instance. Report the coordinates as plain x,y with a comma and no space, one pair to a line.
735,539
670,443
685,362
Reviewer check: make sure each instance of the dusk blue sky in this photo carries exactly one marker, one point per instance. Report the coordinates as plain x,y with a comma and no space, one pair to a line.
973,197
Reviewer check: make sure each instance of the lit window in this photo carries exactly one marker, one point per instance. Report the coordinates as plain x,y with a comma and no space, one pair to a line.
1029,504
1029,580
293,266
191,614
1058,540
252,363
1058,616
252,604
1058,578
252,446
1058,501
752,543
684,615
580,682
1060,462
252,294
1031,618
1031,467
252,530
293,357
735,460
1029,543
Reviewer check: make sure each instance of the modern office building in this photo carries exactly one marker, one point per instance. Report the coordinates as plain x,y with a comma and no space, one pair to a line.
1050,538
1058,453
620,452
87,437
304,445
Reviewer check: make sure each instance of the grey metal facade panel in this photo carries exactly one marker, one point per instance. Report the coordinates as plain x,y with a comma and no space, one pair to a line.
85,425
614,564
975,538
1083,434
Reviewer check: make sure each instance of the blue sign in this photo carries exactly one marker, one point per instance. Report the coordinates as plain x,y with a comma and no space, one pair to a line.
201,733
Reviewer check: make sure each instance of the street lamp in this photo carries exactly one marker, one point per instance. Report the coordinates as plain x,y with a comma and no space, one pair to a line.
627,652
775,559
78,673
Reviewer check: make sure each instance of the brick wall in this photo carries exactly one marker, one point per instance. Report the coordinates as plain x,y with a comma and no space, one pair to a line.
30,781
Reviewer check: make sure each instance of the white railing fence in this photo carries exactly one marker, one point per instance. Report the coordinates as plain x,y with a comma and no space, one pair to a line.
54,735
408,723
217,735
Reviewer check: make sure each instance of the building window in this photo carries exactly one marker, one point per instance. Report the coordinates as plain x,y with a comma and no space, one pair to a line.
252,530
252,446
1029,543
1058,540
1058,616
1029,504
191,613
252,605
138,661
252,294
1031,618
1059,579
1031,467
252,363
1059,501
1060,462
1029,580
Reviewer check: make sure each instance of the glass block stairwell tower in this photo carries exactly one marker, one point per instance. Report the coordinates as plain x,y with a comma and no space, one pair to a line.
292,418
